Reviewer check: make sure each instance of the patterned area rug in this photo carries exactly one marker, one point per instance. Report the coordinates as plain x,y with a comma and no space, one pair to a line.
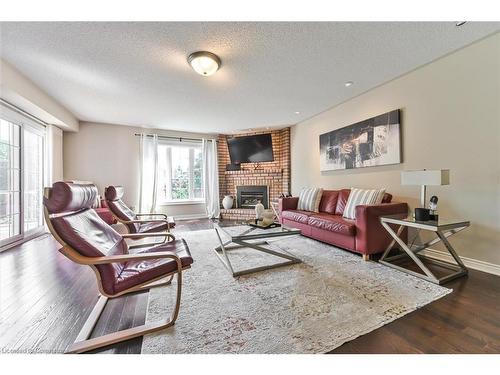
313,307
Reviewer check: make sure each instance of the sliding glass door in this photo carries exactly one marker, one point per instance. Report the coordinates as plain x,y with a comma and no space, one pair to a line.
10,182
32,180
21,177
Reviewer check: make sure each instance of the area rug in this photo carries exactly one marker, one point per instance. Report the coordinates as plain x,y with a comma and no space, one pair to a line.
313,307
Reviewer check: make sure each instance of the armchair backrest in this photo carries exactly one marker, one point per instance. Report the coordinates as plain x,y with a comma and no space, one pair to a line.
81,232
113,196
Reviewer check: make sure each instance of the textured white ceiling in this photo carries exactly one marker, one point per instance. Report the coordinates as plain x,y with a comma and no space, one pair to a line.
136,73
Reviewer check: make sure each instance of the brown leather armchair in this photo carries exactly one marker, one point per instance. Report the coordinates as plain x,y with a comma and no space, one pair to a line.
132,220
88,240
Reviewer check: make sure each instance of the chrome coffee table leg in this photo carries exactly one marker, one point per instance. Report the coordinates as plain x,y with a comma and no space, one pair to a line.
225,261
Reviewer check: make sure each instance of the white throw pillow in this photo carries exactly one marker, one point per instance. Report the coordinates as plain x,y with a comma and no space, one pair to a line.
359,197
309,199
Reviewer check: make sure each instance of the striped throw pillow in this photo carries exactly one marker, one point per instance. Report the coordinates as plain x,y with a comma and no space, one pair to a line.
359,197
309,199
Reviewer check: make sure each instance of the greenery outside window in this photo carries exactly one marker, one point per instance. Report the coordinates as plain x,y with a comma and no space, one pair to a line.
180,172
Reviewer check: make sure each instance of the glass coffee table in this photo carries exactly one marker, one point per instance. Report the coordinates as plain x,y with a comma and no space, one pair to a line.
248,237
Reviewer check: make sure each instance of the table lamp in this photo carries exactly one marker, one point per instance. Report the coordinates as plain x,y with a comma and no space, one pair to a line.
425,178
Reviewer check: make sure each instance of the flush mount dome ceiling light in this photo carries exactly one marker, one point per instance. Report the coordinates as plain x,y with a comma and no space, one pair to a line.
204,63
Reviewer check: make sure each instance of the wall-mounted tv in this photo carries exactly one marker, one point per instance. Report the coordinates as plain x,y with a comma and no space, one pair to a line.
251,149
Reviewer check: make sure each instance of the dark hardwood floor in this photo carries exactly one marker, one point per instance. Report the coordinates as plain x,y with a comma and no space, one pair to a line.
45,299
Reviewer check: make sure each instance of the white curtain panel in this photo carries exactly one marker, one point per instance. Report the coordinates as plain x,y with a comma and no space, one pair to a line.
211,178
149,173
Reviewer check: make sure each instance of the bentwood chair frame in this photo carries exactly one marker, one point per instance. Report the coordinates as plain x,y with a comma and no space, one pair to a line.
164,220
83,343
138,236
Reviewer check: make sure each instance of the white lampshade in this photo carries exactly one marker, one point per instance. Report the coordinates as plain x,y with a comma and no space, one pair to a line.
426,177
204,63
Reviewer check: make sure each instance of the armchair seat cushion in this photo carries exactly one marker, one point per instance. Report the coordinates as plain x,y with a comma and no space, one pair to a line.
298,216
333,223
141,271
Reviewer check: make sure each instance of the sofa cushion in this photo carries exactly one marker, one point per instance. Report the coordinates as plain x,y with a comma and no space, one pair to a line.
328,201
332,223
342,201
387,198
298,216
309,199
360,197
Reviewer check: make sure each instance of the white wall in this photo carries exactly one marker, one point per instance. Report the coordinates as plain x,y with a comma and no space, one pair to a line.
21,92
109,155
450,119
18,90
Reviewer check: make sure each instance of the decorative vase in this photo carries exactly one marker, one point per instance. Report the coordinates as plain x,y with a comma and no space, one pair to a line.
259,210
267,217
227,202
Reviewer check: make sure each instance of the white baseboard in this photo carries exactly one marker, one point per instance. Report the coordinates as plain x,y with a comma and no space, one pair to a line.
189,217
469,262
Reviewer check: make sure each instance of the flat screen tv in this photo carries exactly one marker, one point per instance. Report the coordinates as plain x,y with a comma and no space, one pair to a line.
251,149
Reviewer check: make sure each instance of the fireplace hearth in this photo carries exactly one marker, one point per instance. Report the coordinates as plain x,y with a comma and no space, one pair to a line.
249,196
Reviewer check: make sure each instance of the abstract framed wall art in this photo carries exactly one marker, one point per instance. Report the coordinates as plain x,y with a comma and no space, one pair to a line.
372,142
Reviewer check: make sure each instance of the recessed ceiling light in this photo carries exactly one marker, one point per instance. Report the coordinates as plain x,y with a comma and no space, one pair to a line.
458,24
297,112
204,63
348,83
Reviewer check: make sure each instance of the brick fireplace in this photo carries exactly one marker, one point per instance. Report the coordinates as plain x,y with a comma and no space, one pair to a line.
275,175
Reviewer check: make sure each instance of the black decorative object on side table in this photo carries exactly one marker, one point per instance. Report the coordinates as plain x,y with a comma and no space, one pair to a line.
433,214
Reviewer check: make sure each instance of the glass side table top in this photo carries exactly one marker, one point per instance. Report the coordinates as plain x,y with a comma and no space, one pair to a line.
440,224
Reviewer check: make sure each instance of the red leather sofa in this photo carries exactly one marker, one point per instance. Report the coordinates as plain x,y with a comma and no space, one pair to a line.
363,235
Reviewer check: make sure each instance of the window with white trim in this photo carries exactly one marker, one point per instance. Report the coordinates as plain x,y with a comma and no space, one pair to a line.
180,172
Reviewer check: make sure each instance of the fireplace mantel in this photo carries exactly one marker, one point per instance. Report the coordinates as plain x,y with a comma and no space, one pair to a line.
249,172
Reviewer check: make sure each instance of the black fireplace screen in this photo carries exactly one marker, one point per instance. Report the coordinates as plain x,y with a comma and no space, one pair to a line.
249,196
